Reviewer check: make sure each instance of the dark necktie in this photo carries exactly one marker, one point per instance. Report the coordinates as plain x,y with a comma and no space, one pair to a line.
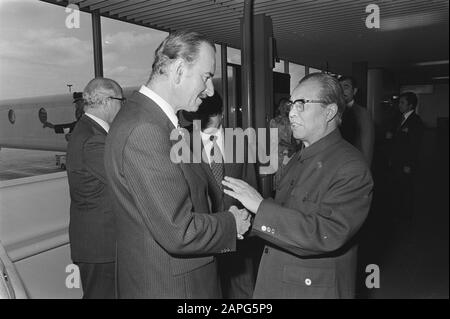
216,161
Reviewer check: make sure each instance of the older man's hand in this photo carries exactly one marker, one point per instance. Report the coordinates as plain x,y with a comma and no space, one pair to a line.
243,220
243,192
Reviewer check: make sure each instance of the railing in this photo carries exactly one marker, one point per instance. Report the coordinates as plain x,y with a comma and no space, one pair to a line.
34,218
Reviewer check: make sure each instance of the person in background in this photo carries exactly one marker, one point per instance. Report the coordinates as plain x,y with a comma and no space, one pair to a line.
67,128
91,227
287,145
405,139
357,127
237,269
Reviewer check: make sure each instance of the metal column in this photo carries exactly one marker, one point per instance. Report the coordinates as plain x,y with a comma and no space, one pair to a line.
247,65
224,65
97,42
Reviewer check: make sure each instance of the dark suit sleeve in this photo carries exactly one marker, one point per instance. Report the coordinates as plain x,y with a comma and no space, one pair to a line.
162,196
317,228
367,135
93,156
414,142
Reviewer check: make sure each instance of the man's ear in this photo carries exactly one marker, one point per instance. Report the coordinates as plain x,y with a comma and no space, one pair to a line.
177,70
332,111
355,90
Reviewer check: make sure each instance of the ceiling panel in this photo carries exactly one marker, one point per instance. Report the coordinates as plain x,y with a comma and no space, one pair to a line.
312,32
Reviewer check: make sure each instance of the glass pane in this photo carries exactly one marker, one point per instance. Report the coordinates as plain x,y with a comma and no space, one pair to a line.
297,72
233,56
128,51
45,56
279,67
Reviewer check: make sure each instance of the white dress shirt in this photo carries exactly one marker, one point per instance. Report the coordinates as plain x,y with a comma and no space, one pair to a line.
405,116
99,121
166,107
208,144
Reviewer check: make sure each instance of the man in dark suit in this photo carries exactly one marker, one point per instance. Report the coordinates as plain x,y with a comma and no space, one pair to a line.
91,227
405,148
167,237
236,270
321,202
357,126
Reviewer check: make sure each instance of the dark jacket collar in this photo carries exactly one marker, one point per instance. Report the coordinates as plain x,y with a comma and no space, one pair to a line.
321,145
149,105
91,122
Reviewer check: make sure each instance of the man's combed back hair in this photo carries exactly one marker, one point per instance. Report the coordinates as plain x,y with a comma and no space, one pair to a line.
331,91
180,44
411,97
98,90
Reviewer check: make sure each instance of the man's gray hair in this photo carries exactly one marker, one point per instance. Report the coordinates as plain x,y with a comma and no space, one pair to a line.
331,90
180,44
98,90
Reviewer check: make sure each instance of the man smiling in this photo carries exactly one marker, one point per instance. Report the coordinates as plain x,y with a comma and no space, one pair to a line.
167,237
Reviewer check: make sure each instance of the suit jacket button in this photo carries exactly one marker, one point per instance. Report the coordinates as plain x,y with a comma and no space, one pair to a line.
308,282
263,228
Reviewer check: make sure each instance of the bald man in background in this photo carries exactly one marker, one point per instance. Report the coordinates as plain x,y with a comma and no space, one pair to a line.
91,227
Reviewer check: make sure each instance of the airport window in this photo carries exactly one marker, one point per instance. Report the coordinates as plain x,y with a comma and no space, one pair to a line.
11,116
279,67
42,63
128,51
234,56
297,73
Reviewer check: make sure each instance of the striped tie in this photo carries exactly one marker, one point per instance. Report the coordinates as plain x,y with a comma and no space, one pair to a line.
216,161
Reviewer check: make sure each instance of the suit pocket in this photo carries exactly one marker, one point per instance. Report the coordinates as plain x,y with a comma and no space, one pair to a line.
184,265
309,277
308,283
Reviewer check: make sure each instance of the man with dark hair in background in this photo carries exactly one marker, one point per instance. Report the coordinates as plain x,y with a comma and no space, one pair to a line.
237,269
91,227
357,127
405,147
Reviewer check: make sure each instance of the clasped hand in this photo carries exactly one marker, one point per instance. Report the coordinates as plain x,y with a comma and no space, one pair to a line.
243,192
243,220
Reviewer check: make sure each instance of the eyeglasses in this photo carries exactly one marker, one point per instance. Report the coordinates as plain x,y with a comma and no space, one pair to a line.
122,99
299,105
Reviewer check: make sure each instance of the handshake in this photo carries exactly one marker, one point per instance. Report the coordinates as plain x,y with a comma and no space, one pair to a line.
243,220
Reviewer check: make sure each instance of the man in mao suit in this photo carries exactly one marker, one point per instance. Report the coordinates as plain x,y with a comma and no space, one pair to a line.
320,203
237,270
404,155
167,237
91,227
357,127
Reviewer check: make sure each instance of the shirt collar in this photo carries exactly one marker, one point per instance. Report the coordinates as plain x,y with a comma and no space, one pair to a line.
219,134
407,114
350,104
99,121
166,107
